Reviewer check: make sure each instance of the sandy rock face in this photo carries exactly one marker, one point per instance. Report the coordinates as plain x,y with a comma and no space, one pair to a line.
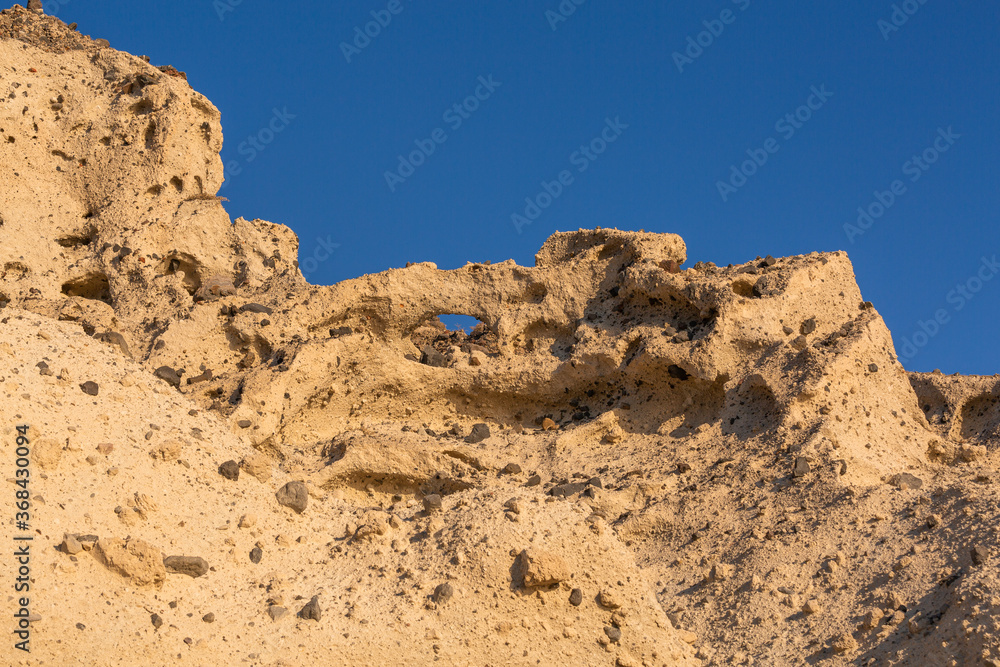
140,563
628,462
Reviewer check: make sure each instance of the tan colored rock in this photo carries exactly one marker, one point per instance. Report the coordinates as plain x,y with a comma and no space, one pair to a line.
169,450
610,599
537,568
136,560
258,465
46,453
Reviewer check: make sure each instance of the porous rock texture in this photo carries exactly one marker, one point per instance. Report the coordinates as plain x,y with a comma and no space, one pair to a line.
729,463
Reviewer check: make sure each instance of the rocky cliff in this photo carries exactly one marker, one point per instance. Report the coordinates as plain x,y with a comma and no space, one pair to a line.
630,461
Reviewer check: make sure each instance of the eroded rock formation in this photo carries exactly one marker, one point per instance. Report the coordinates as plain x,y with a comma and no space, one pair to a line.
628,462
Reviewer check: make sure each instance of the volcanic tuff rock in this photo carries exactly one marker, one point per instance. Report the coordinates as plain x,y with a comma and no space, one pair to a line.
699,465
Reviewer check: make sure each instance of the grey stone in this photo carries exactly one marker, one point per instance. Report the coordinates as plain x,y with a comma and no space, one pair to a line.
905,481
71,545
276,612
230,470
443,593
576,597
979,555
511,469
808,326
168,375
293,495
479,433
801,467
209,617
614,634
312,609
192,566
157,621
255,555
570,489
115,339
89,387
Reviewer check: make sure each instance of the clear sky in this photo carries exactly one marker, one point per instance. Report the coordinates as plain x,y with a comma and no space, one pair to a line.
649,113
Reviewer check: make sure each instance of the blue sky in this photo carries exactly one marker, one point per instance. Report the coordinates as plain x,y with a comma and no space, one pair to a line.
869,85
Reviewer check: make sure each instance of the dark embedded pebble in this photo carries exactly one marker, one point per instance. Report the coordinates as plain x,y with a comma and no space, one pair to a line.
192,566
808,326
168,375
293,495
89,387
157,621
614,634
905,481
209,617
230,470
256,308
534,480
312,609
563,490
979,555
479,433
801,467
511,469
576,597
255,555
443,593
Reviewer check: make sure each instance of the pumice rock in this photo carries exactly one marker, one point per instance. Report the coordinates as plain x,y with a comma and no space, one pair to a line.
564,484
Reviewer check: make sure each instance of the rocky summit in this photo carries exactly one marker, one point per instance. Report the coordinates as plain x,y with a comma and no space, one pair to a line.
631,460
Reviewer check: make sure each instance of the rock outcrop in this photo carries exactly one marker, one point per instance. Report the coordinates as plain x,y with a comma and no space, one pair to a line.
627,462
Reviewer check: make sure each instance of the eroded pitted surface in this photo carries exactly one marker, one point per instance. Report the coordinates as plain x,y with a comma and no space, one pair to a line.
728,463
